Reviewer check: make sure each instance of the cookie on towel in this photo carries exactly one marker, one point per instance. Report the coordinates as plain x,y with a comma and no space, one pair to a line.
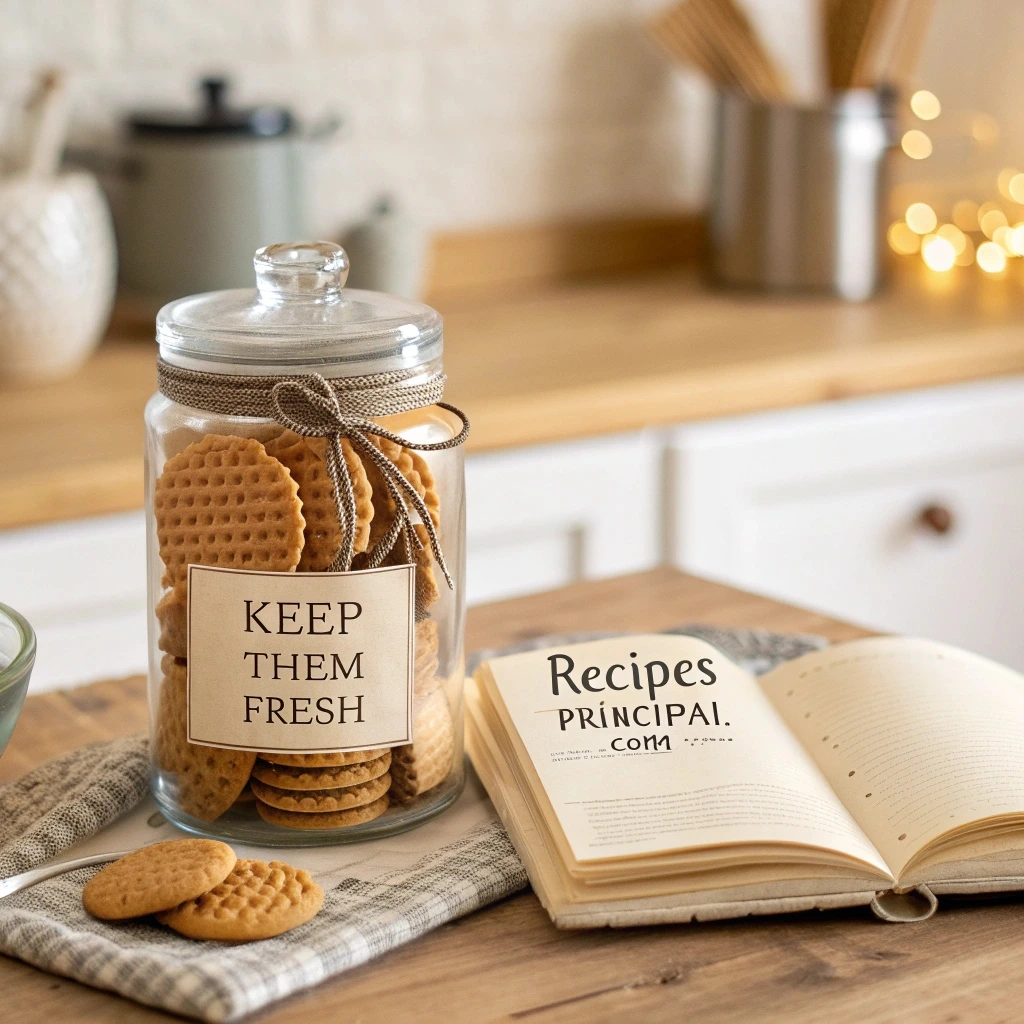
257,900
157,877
297,778
224,501
329,820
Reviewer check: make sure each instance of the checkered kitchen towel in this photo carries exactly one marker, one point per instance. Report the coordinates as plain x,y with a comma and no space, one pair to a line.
379,895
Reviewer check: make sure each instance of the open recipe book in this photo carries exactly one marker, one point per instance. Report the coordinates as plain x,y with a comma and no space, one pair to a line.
649,779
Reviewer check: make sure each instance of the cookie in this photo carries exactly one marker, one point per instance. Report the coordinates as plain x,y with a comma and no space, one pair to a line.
157,878
208,780
426,762
258,900
426,657
306,460
333,819
320,801
292,778
172,614
224,501
325,760
414,468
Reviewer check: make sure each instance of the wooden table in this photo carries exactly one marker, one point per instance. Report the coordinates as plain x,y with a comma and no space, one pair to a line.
507,962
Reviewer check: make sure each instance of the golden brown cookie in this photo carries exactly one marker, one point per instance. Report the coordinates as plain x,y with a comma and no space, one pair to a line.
208,780
325,760
224,501
426,762
320,801
157,877
414,468
290,778
426,658
333,819
306,459
172,614
256,901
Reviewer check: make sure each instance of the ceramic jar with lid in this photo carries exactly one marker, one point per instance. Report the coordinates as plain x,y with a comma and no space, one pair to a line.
306,517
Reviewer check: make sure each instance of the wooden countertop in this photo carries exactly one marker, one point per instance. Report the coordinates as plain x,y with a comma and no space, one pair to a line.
508,962
596,357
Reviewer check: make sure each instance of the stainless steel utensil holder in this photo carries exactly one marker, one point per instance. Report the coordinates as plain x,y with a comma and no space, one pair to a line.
798,194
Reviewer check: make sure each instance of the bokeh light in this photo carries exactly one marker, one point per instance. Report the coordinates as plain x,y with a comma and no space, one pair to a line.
966,258
916,144
925,105
1017,239
938,252
1002,237
984,129
952,234
965,215
1015,187
991,219
991,258
921,218
902,239
1006,175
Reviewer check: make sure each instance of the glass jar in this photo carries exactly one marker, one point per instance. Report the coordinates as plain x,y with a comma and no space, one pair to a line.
306,521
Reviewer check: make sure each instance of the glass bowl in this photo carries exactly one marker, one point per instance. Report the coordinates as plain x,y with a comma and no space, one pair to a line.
17,656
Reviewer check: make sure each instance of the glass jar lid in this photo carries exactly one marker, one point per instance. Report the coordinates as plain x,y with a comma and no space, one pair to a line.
300,318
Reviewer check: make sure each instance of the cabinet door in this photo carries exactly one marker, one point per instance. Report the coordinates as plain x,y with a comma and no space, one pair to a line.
904,513
547,516
82,585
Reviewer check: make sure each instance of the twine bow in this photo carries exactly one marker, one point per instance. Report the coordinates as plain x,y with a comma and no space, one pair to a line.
313,406
310,406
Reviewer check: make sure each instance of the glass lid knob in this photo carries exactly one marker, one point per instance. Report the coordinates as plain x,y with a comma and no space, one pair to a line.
307,271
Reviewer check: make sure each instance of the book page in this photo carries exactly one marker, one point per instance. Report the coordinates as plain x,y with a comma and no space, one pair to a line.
655,743
915,737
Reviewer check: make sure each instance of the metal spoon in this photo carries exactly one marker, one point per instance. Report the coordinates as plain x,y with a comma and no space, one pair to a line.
9,886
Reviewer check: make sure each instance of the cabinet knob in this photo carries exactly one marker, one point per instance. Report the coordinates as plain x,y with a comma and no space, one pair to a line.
936,518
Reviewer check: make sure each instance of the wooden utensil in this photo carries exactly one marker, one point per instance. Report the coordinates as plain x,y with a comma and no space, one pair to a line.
716,37
911,29
855,31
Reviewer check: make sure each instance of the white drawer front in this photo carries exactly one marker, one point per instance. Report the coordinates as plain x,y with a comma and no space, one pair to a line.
82,585
822,507
547,516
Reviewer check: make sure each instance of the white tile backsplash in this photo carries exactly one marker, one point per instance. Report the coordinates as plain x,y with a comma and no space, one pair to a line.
475,112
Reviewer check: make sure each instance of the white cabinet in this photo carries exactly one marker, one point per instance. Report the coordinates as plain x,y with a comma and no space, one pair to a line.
546,516
82,585
826,506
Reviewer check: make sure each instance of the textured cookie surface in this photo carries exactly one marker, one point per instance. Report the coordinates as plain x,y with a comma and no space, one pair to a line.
157,878
318,801
224,501
208,780
305,459
297,778
426,660
257,900
332,819
426,762
325,760
172,614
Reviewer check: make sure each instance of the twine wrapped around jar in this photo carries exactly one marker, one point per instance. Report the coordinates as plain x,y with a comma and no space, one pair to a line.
337,408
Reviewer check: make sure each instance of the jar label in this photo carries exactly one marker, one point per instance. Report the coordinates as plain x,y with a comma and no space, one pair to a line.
300,663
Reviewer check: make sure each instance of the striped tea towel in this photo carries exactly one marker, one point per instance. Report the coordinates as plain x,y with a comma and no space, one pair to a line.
379,894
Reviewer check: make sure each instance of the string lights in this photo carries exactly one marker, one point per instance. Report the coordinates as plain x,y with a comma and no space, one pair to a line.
988,235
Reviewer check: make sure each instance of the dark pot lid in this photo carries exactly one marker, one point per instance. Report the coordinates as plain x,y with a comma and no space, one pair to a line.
215,117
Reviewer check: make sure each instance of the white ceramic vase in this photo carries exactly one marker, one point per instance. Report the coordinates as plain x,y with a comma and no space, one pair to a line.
57,273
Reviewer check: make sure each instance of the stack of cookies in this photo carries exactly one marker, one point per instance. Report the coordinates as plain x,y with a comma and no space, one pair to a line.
237,502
